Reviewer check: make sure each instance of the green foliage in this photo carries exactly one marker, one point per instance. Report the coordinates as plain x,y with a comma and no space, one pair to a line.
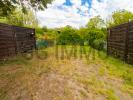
68,36
82,32
52,33
95,34
39,31
120,17
20,19
41,4
96,22
96,39
3,20
8,6
99,44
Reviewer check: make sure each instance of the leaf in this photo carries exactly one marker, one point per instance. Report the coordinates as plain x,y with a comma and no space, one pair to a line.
15,1
24,10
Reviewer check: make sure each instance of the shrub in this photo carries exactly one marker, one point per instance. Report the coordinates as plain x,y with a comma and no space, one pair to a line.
96,39
68,36
98,44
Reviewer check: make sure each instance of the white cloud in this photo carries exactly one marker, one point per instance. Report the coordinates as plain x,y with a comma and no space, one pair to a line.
58,15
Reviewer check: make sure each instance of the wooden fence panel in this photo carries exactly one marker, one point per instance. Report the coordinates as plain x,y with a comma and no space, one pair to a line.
116,42
120,42
7,44
14,39
25,39
130,44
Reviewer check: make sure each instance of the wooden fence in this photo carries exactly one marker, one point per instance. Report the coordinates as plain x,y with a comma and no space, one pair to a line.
120,42
14,40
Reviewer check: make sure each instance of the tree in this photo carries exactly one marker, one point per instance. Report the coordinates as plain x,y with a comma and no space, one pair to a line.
20,19
45,29
95,22
68,35
82,32
96,38
8,6
119,17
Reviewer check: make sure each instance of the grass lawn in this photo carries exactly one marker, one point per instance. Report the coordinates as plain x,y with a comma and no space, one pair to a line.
61,77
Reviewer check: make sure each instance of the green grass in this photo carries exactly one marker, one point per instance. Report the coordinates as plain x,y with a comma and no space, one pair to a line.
109,94
83,93
102,71
127,89
119,69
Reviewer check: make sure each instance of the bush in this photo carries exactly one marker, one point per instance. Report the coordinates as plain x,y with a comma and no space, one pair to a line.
98,44
96,39
68,36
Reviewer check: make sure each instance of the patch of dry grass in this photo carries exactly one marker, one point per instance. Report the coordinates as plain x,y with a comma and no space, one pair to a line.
107,78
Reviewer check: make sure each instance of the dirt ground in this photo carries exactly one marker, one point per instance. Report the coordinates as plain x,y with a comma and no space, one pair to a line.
52,79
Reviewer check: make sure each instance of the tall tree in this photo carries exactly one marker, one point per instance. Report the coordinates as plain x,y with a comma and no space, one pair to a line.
82,32
19,18
7,6
95,22
119,17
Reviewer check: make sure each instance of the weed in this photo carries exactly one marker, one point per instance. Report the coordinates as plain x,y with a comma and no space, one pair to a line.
83,93
102,71
109,93
127,89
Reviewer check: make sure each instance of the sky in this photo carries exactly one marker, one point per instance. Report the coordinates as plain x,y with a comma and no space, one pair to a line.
77,13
